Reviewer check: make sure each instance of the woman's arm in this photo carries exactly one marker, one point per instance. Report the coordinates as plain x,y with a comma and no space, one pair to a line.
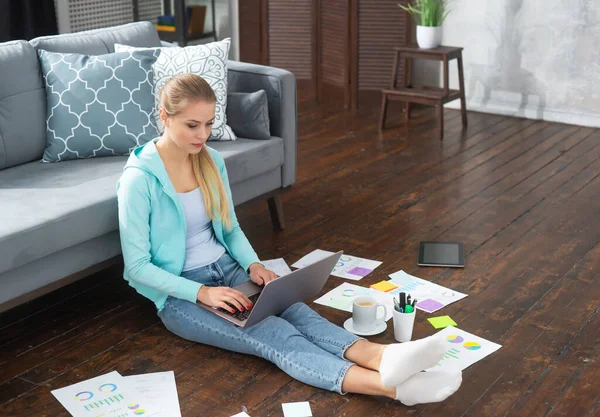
134,227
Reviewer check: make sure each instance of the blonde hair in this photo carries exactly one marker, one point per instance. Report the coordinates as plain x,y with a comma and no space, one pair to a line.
175,94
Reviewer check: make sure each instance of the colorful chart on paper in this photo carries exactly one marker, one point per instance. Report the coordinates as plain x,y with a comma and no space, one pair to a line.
431,297
464,349
105,395
349,267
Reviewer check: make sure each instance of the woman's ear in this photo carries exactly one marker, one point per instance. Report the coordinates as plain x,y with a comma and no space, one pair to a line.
164,118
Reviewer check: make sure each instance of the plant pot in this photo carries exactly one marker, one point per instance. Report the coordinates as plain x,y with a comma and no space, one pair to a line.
429,37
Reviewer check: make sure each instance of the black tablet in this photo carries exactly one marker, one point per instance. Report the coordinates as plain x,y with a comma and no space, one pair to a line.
450,254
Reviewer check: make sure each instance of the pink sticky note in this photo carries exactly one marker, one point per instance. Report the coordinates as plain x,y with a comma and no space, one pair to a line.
359,271
429,305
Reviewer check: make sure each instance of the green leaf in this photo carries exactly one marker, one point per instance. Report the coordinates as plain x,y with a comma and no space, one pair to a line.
428,12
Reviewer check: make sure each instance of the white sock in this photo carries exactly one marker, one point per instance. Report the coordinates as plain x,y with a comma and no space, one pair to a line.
402,360
428,387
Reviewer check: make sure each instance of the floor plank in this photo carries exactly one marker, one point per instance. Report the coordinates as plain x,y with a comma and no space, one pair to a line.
521,195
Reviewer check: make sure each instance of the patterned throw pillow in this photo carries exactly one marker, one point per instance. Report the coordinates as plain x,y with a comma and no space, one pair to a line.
208,61
97,105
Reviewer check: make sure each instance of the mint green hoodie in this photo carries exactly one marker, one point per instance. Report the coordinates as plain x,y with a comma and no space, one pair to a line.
153,229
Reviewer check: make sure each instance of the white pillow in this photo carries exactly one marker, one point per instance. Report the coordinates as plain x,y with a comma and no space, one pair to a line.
208,61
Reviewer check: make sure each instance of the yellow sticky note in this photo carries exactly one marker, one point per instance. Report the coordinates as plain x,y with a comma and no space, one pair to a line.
441,322
384,286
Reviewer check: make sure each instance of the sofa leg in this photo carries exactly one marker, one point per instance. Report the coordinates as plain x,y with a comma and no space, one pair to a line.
276,210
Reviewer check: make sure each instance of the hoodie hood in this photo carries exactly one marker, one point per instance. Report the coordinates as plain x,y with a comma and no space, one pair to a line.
147,158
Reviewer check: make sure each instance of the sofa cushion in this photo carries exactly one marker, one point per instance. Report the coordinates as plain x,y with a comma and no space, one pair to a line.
247,158
248,114
45,208
100,41
22,105
99,105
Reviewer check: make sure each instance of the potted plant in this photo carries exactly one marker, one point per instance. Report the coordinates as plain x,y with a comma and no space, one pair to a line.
429,16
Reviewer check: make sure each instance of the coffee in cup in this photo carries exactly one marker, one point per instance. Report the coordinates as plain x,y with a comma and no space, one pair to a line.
364,313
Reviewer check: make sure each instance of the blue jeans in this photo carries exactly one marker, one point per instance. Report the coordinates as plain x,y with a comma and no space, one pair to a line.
299,341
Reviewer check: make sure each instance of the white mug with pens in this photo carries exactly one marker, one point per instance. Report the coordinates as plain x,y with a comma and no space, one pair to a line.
404,317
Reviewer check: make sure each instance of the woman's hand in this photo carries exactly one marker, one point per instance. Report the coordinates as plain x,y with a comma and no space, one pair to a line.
224,297
261,275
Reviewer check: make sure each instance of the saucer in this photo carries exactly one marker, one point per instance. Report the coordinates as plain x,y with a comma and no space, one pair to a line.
380,326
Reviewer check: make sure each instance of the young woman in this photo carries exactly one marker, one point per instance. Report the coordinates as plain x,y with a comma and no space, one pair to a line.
182,244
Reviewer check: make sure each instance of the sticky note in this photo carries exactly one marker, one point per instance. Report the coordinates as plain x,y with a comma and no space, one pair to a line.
297,409
429,305
360,271
384,286
441,322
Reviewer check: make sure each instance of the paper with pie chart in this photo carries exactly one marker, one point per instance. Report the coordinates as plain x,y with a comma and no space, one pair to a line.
431,297
463,349
106,395
349,267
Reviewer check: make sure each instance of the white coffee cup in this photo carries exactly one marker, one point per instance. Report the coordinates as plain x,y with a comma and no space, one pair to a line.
364,313
403,325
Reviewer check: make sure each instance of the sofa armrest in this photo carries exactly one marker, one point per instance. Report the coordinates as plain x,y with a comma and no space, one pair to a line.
280,86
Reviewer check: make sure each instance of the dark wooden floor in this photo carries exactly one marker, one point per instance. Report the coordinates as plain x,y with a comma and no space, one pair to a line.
522,195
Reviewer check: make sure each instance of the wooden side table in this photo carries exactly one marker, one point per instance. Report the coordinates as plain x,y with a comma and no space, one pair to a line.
427,95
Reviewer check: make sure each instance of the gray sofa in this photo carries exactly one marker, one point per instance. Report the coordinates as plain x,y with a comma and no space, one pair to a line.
58,221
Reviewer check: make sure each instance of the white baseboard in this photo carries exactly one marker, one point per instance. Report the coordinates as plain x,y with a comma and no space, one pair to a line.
591,119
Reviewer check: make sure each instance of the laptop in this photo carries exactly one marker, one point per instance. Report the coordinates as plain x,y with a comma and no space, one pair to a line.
277,295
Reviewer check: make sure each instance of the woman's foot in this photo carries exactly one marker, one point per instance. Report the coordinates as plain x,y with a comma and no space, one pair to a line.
399,361
428,387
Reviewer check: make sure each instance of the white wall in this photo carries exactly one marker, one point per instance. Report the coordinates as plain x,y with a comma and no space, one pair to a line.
536,58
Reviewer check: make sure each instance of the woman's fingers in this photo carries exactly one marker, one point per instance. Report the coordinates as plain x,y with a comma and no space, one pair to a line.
236,303
242,298
225,306
269,276
242,302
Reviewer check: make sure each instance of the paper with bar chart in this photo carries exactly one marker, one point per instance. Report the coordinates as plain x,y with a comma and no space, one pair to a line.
463,349
106,395
431,297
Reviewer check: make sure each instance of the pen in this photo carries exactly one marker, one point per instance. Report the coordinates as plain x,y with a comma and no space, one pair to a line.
402,299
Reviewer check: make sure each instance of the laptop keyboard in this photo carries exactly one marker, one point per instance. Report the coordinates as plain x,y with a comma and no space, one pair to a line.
242,315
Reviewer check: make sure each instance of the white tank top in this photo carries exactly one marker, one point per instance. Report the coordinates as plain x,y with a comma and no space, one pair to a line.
202,247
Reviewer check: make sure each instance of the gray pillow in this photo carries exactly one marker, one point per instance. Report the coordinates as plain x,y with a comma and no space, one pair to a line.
97,105
248,115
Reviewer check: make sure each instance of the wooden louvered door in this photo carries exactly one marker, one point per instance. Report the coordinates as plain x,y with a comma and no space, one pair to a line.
378,27
333,43
338,50
291,41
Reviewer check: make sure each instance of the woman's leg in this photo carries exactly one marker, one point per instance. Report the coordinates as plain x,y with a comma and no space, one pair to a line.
273,339
321,331
382,368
